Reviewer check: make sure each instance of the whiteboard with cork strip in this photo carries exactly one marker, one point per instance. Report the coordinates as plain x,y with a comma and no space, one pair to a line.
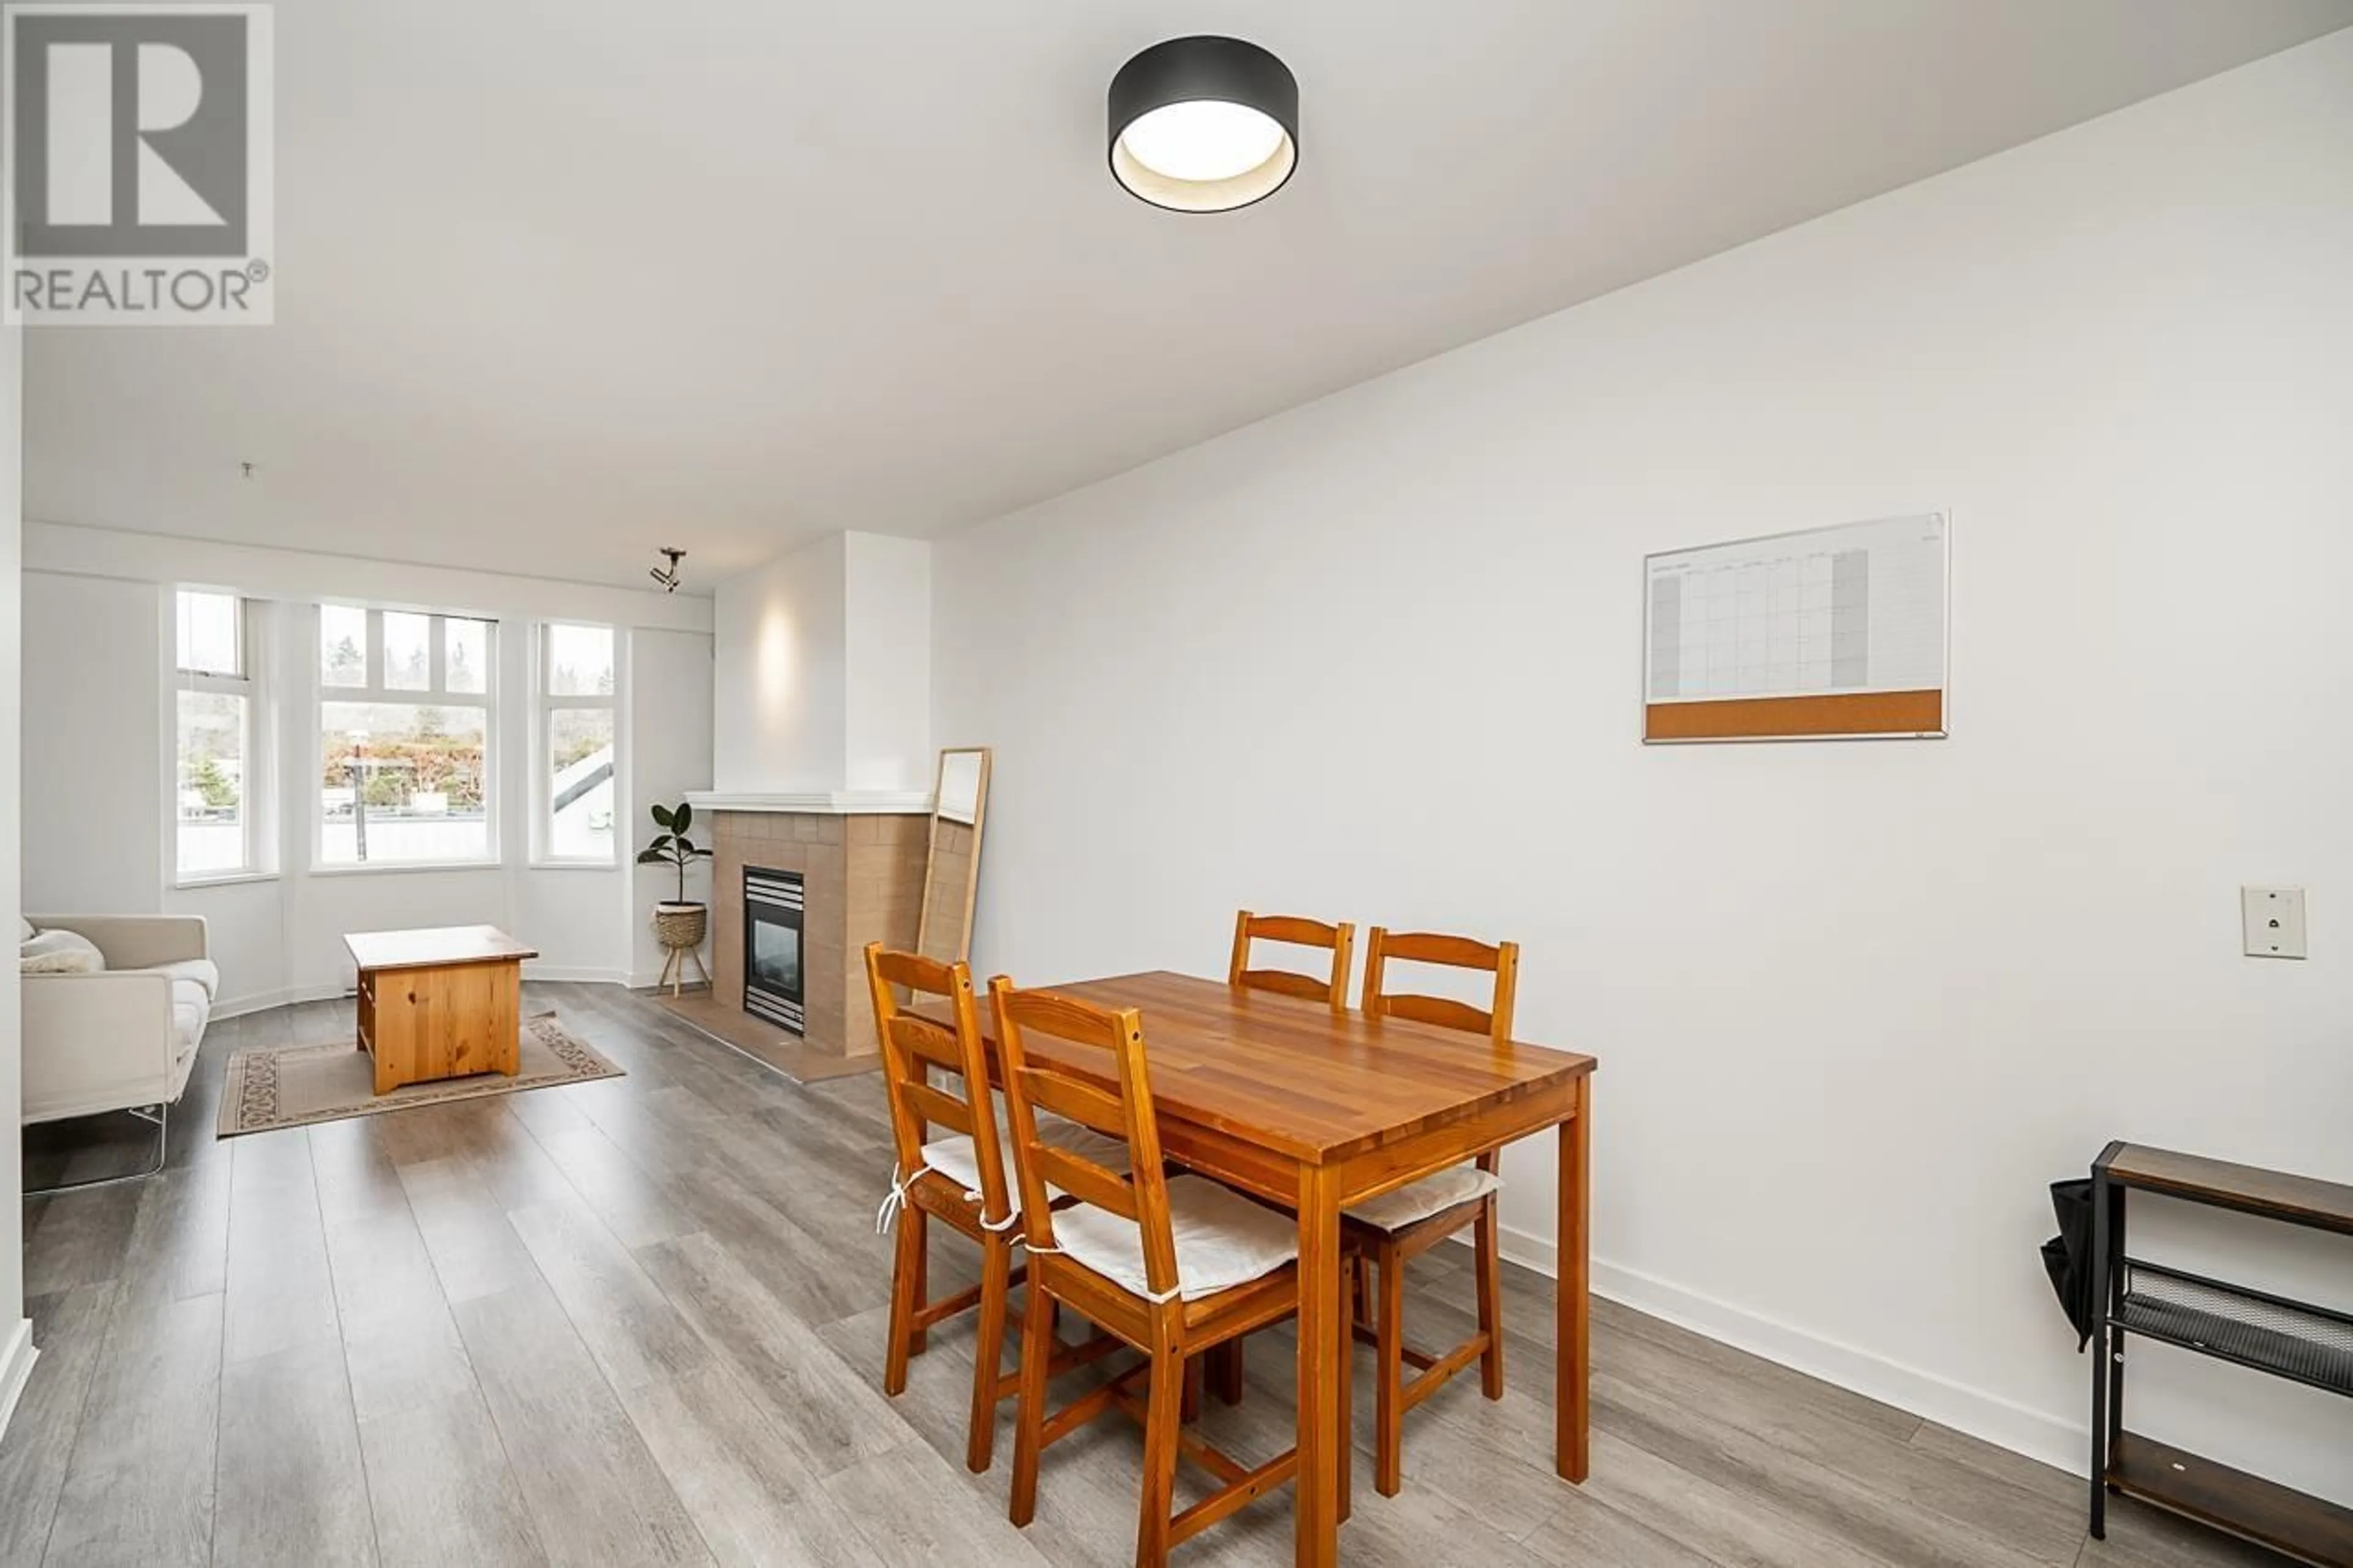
1837,633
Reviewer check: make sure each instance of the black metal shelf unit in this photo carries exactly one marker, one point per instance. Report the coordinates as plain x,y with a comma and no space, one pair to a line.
2294,1340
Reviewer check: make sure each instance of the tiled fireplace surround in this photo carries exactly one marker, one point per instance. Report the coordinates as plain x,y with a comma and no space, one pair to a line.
862,878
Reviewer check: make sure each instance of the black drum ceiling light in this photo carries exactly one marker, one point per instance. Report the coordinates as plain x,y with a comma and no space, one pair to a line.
1204,125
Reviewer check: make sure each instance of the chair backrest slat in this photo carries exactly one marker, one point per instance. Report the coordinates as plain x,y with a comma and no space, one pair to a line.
1500,959
1079,1047
1443,1011
937,1107
1337,940
1283,983
1080,1103
1086,1181
926,1042
914,1047
1456,952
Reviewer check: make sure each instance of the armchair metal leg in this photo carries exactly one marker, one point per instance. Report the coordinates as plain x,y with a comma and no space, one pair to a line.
161,1116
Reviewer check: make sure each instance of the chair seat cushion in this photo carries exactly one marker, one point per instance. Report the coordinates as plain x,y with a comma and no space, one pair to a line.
958,1159
1418,1200
1223,1240
202,971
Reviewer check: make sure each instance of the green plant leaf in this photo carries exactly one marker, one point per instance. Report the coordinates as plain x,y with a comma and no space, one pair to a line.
686,844
663,818
662,841
683,817
652,858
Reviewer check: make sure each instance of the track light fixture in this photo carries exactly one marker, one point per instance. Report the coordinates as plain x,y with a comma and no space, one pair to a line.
668,576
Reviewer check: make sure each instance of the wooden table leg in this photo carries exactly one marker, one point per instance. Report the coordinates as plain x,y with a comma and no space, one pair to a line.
1226,1371
1323,1361
1573,1345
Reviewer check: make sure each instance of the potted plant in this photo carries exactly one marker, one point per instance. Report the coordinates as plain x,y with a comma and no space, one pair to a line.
679,923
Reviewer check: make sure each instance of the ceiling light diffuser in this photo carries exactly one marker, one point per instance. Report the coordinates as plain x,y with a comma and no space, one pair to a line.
1204,125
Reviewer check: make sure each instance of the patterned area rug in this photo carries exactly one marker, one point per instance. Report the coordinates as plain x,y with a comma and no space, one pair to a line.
293,1086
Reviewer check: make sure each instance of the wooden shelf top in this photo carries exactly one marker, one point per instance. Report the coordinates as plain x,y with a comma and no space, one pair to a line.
2277,1195
430,947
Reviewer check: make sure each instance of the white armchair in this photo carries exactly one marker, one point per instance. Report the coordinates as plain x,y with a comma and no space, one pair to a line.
125,1038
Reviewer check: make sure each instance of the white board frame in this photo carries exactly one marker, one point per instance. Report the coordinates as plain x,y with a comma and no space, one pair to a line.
1643,702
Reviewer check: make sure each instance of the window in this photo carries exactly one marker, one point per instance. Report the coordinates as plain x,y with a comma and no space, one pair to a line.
404,739
217,778
577,716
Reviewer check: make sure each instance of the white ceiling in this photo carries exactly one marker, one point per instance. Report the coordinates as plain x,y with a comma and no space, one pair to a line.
562,280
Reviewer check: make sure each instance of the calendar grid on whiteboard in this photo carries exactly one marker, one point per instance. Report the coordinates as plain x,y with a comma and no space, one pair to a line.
1769,638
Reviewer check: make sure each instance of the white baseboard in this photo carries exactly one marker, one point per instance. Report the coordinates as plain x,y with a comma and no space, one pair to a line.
261,1002
17,1356
238,1007
2053,1439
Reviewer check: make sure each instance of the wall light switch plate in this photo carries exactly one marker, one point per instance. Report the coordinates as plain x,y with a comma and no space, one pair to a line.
2275,922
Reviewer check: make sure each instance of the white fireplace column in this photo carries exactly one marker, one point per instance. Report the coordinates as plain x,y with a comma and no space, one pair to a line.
821,679
822,762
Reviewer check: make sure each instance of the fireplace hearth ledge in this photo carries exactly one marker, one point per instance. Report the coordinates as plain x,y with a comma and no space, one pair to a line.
824,802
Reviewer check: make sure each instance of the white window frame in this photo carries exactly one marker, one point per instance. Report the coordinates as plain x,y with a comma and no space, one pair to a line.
253,817
435,694
545,705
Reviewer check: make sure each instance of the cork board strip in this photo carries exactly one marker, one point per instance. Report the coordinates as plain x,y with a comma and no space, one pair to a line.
1797,718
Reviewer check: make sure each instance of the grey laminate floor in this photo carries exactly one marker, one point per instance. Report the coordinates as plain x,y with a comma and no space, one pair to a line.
641,1321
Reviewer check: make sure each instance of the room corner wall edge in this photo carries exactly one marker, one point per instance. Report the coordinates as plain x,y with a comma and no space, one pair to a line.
15,1369
2034,1434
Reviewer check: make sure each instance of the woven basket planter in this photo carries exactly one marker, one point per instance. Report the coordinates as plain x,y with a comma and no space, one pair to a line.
681,925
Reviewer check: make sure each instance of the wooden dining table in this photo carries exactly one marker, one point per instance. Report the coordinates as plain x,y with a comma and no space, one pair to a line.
1315,1110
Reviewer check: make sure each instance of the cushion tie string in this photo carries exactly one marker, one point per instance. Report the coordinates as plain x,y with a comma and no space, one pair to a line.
896,1199
892,1202
1157,1298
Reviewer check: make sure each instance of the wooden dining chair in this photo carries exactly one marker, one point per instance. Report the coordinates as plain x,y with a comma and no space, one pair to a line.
955,1174
1339,940
1381,1234
937,1078
1171,1266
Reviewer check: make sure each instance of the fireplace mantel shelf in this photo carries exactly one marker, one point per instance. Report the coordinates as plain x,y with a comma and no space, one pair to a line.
819,803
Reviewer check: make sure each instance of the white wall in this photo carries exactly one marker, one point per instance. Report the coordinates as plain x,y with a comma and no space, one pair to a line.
669,722
1855,1004
887,664
92,726
97,753
779,682
15,1331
